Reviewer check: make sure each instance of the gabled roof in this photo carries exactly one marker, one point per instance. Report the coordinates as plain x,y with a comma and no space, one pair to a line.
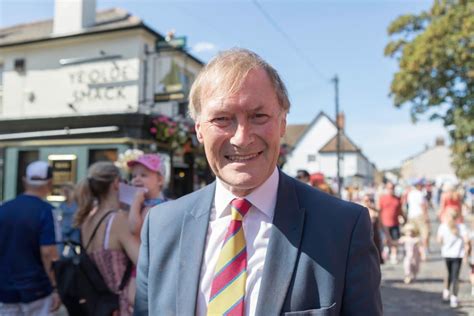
347,146
293,133
296,134
107,20
110,20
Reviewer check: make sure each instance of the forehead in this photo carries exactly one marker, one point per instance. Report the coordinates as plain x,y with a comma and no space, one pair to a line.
140,168
255,92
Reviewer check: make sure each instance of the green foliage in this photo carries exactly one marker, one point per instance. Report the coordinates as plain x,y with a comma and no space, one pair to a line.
435,54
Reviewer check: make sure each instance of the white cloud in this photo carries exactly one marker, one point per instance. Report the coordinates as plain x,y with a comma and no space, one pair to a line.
203,47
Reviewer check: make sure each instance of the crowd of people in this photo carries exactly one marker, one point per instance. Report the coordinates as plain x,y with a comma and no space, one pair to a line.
29,224
401,221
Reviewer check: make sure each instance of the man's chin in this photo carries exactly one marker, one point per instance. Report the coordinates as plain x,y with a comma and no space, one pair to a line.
240,181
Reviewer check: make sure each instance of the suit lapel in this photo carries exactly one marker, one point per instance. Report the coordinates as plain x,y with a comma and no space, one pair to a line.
282,250
191,251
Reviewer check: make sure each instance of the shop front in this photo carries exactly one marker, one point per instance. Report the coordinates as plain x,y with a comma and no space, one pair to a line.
72,144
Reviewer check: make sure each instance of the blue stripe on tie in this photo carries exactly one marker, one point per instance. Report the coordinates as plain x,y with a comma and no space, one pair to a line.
232,307
230,261
227,285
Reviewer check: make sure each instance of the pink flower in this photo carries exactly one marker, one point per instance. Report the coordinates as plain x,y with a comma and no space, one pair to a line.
153,130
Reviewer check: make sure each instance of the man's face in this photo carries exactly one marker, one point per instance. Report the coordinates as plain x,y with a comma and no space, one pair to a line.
241,133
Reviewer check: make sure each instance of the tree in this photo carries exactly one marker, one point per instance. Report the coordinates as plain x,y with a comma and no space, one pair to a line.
435,54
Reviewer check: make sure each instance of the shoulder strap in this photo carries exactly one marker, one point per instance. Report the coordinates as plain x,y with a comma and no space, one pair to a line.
97,227
126,275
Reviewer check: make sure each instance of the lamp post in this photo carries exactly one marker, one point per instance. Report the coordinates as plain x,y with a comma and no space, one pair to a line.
338,136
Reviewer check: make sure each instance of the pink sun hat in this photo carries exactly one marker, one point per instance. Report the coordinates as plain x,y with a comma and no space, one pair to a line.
150,161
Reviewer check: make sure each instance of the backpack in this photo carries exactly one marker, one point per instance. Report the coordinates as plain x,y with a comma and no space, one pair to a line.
80,285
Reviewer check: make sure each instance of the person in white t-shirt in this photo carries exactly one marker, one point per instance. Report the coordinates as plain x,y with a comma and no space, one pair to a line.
454,239
418,215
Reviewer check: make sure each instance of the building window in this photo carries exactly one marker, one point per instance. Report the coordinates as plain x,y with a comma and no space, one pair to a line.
102,155
19,65
311,158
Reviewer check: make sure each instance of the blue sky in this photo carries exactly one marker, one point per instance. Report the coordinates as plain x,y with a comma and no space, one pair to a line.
337,37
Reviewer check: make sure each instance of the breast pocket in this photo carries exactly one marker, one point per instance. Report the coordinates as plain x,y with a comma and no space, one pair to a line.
324,311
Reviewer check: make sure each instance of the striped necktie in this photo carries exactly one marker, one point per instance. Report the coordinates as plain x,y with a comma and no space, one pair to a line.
228,285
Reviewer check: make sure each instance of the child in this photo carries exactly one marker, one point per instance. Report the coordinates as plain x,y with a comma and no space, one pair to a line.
412,245
454,239
147,172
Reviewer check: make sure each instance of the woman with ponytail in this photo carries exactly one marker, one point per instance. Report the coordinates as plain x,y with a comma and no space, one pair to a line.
453,237
113,246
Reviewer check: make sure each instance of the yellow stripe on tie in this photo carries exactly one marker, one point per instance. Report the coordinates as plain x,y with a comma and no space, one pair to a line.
228,297
230,250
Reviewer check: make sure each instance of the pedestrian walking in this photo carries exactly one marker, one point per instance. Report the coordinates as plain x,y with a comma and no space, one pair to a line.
114,245
412,246
417,214
471,255
28,247
450,199
368,202
67,209
453,237
390,208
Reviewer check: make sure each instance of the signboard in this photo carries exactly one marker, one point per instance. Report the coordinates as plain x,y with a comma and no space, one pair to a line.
64,171
174,42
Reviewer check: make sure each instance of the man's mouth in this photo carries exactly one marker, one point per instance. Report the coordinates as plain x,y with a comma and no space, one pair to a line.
242,158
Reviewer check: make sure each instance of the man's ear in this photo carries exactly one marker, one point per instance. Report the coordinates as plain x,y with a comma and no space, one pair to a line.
197,127
283,125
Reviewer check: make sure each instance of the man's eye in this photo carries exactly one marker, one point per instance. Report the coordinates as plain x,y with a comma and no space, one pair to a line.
260,118
221,121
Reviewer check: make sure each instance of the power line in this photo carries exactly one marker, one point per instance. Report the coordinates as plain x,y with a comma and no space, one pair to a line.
290,41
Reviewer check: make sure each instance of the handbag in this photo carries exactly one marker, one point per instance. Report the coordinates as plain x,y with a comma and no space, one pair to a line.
80,285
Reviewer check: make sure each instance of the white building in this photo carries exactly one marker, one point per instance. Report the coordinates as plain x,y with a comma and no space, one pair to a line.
86,84
434,163
314,149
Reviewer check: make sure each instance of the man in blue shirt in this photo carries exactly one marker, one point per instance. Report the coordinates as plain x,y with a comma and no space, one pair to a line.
27,248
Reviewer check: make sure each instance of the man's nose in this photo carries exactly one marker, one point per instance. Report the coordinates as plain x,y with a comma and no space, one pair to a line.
243,135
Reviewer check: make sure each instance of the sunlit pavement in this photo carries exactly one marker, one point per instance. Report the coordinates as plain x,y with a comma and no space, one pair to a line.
423,296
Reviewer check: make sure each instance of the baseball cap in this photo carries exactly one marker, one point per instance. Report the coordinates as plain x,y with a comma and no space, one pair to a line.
150,161
38,173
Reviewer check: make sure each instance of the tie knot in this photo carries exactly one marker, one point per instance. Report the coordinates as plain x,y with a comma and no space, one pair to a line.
239,207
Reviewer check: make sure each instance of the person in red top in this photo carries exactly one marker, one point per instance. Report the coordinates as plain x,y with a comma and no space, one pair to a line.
450,199
390,208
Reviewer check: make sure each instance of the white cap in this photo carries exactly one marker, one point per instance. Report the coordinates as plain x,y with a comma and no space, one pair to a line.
38,173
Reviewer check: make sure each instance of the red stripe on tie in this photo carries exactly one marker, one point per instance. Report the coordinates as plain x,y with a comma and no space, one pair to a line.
242,206
229,272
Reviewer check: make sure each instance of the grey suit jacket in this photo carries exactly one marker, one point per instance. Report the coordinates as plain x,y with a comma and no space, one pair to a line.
321,259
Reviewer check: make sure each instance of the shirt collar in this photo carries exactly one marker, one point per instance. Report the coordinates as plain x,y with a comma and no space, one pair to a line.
263,198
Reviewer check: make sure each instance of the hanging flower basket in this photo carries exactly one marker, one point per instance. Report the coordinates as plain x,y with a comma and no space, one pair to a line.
174,132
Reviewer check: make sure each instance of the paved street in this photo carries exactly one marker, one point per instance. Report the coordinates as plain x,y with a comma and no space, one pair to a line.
423,297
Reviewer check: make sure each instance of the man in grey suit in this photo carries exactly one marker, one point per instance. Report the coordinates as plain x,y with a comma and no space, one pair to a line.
255,241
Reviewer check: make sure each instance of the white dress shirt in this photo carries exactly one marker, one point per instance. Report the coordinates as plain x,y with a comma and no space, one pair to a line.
257,225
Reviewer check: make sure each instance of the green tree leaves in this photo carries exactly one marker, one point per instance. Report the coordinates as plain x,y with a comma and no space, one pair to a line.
435,54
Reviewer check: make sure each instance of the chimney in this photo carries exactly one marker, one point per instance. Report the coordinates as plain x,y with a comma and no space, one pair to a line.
71,16
439,141
341,121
